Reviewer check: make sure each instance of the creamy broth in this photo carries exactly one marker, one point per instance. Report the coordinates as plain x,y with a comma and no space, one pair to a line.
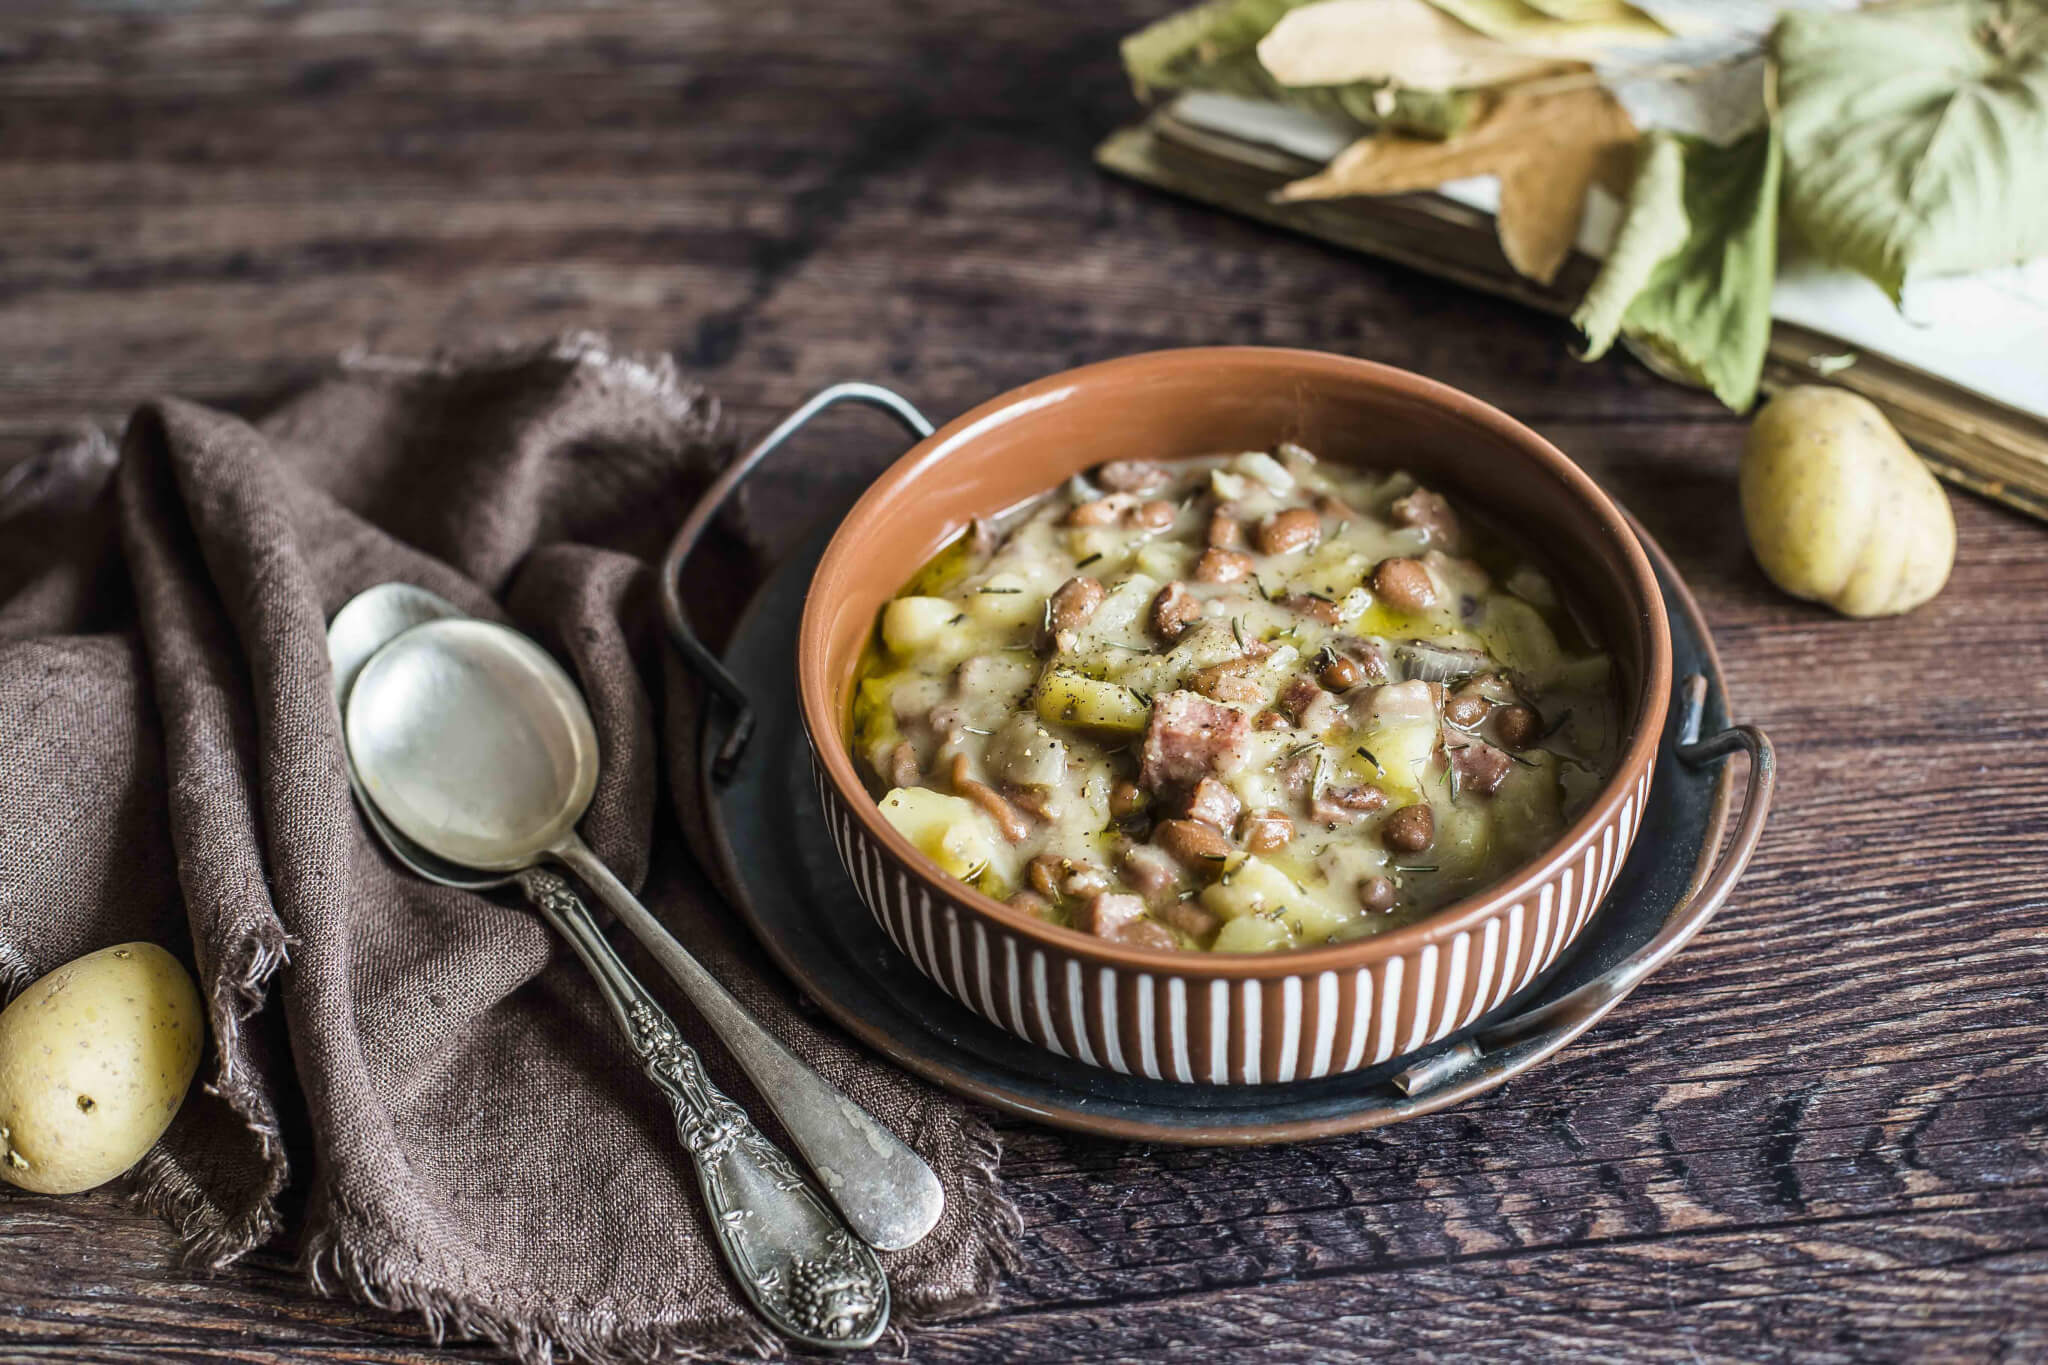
1239,703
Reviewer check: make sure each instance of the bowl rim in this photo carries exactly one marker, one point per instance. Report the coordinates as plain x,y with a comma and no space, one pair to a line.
1282,365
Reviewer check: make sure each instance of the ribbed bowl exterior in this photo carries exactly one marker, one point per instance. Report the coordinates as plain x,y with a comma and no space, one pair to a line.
1221,1026
1232,1019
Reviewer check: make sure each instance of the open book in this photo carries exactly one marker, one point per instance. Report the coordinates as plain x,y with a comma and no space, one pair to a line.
1962,371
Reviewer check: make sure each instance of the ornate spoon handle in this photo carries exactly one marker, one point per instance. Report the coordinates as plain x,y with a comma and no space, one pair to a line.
795,1260
889,1196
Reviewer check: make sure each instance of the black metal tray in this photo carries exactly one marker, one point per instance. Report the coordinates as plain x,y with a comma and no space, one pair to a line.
770,834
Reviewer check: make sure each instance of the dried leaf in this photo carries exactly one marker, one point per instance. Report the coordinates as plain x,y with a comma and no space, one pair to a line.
1215,47
1408,42
1578,11
1654,228
1521,25
1708,78
1916,139
1547,148
1210,47
1701,306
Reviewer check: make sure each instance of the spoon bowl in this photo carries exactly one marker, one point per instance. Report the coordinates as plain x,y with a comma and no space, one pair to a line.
372,619
366,623
474,743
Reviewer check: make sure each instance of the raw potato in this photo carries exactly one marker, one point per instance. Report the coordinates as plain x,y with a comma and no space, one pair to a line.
95,1059
1839,509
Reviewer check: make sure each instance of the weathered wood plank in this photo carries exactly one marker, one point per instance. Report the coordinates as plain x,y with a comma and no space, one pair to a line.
1821,1134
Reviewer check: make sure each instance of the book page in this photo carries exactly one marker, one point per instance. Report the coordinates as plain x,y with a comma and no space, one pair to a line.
1986,333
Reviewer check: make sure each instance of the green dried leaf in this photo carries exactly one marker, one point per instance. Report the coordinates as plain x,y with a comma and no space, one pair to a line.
1916,139
1375,104
1654,228
1210,47
1215,47
1605,28
1703,307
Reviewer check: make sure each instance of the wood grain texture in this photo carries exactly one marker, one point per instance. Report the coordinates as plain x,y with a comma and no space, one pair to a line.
1820,1135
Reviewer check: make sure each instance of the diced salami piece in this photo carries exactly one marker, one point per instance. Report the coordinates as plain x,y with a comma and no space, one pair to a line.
1107,510
1230,680
1191,919
1310,707
1173,610
1297,771
1315,608
1344,805
1031,903
1212,803
1153,872
1190,737
1480,767
1146,933
1296,697
1132,476
1109,912
1266,831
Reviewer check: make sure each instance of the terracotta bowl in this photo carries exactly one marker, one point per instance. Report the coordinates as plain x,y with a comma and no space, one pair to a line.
1235,1018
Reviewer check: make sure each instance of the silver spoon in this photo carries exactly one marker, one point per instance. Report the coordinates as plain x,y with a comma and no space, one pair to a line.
794,1259
476,745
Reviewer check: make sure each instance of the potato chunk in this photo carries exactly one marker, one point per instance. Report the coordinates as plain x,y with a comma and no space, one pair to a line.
1252,934
911,624
1006,602
1254,887
950,830
1403,750
1067,697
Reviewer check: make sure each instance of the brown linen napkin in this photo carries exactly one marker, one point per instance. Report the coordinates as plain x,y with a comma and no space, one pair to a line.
485,1152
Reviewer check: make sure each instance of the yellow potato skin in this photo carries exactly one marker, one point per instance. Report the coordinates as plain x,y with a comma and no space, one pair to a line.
95,1059
1839,509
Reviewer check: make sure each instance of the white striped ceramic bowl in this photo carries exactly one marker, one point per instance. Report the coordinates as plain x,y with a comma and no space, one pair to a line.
1224,1018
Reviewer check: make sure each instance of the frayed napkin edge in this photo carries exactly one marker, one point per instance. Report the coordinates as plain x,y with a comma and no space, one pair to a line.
332,1265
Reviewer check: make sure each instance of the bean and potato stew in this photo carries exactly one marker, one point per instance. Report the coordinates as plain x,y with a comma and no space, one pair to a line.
1237,703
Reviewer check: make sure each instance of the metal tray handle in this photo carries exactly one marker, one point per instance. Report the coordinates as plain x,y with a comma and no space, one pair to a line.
1578,1009
708,665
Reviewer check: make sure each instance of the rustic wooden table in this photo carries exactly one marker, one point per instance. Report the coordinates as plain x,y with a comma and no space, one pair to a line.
1821,1134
